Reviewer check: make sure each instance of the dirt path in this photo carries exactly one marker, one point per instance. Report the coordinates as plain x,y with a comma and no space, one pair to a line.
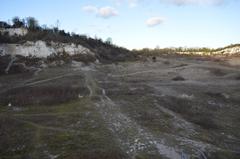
13,58
136,139
133,138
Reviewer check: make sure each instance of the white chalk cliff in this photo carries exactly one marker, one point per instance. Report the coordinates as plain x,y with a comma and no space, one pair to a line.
42,50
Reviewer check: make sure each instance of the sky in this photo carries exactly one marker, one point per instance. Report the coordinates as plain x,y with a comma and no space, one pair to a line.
137,24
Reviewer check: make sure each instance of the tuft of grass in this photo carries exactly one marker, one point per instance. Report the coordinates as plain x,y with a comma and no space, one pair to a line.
178,78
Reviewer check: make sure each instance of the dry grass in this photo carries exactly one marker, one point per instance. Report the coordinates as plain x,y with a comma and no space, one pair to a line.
40,95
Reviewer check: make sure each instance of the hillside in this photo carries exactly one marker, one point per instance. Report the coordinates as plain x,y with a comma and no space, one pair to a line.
31,49
26,48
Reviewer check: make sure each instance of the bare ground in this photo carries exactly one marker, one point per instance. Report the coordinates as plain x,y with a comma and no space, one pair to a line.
178,108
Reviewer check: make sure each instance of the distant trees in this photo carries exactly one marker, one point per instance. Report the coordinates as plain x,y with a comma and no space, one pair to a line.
43,32
51,33
109,41
17,22
179,50
29,22
32,23
62,33
154,52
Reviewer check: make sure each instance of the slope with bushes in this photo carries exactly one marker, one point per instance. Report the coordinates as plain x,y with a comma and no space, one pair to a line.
44,46
104,51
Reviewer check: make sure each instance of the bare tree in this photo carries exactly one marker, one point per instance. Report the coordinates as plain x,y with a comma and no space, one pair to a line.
32,23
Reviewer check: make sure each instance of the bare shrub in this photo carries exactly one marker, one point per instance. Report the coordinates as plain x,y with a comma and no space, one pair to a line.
178,78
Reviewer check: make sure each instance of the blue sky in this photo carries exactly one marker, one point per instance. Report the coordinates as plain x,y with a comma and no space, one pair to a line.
138,23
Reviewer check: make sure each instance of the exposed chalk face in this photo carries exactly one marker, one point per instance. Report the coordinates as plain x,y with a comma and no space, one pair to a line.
229,51
226,51
14,31
41,49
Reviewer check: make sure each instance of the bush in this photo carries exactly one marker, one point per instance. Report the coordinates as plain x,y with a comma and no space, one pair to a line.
17,23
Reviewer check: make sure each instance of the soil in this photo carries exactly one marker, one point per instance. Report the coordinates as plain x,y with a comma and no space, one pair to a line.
172,107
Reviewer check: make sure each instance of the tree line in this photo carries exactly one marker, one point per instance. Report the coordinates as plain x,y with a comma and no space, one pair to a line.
29,22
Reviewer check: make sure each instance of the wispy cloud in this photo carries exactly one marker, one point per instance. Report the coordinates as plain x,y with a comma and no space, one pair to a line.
194,2
90,9
130,3
133,3
154,21
107,12
103,12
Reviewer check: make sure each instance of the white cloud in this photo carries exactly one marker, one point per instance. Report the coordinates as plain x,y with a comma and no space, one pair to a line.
154,21
103,12
107,12
90,9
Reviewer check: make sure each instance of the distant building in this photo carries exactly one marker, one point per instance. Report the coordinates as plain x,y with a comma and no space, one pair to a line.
4,25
